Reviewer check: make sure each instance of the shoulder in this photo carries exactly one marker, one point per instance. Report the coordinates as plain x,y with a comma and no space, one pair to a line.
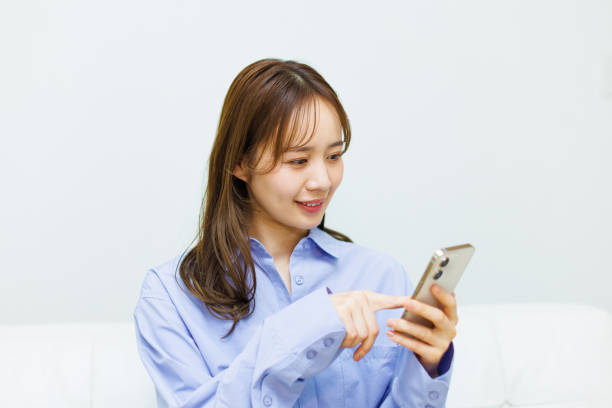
351,251
371,256
160,281
377,269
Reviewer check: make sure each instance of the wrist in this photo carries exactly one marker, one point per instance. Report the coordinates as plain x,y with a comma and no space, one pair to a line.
431,368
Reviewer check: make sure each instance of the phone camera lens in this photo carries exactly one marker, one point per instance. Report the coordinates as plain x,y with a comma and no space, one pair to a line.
445,262
437,275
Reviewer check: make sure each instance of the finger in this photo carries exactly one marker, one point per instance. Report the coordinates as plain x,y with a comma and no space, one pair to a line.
423,333
449,304
360,324
350,338
424,350
379,301
372,326
433,314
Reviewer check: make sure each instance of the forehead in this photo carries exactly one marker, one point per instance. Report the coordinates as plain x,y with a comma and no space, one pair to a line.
315,124
309,147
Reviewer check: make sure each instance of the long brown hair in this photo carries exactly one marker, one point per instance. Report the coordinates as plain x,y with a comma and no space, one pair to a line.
257,112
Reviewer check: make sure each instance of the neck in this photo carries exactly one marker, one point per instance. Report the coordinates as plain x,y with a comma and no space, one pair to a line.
279,241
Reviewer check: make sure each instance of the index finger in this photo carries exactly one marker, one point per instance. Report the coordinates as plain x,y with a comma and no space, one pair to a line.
448,301
379,301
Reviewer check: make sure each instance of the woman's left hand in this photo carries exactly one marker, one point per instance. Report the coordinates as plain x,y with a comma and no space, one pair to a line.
430,344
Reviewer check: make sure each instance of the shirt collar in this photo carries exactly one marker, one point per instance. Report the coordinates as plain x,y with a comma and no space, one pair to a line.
322,239
325,241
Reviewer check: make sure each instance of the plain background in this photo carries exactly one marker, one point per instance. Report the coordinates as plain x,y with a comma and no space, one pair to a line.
476,121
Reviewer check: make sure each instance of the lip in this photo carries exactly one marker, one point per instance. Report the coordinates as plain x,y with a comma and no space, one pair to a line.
311,209
312,201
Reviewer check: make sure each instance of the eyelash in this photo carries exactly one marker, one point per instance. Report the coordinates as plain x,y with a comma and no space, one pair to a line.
298,164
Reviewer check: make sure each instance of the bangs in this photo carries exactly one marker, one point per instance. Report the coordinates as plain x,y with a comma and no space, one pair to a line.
297,131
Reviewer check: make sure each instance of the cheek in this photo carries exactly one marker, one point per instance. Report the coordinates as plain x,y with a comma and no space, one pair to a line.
336,175
285,186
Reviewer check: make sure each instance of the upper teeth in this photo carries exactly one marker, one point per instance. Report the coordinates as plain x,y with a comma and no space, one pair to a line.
311,204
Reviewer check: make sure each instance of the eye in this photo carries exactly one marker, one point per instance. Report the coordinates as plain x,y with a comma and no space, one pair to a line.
297,162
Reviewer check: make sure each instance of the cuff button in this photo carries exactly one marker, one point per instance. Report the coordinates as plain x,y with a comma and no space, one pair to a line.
328,342
267,400
311,354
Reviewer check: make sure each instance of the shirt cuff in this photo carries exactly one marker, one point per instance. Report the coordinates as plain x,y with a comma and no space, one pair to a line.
412,384
309,330
446,360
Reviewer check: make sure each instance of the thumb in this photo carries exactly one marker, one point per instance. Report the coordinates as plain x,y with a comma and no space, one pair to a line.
379,301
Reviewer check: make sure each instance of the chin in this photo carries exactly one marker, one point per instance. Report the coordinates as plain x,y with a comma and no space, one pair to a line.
314,224
310,225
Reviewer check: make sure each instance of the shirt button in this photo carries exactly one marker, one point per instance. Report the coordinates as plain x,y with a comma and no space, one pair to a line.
433,395
311,354
299,279
328,342
267,400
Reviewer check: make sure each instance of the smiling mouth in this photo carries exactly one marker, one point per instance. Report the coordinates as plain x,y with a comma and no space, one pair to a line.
315,201
314,204
311,202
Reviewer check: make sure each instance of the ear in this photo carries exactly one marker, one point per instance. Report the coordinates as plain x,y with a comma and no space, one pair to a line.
240,172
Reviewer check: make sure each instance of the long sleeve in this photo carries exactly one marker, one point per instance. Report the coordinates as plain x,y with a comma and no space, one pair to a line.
411,385
290,346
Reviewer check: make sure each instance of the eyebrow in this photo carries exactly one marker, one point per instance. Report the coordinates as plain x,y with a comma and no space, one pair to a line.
308,148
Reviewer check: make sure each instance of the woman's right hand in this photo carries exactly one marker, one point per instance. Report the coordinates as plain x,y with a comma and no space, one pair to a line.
356,310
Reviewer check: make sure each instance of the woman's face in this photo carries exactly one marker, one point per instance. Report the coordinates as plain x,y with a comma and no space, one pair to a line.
313,173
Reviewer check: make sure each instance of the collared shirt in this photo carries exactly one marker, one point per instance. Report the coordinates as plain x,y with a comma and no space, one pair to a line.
287,352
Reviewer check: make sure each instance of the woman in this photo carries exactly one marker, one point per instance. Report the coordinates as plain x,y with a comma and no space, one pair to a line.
270,308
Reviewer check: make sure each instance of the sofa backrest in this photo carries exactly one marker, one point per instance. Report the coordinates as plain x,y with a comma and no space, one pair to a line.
69,365
530,354
521,355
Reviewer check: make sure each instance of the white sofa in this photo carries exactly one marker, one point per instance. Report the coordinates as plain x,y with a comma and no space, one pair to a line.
521,355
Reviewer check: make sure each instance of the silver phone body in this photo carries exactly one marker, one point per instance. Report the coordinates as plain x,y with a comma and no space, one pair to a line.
446,276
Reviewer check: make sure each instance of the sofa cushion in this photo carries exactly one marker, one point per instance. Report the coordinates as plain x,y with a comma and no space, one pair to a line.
44,366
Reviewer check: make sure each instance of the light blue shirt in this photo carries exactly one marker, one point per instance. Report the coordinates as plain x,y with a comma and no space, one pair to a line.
287,353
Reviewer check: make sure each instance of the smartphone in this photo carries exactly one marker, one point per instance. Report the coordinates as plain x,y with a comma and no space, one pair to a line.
445,269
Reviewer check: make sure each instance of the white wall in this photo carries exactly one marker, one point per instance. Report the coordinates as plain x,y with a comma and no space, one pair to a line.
476,121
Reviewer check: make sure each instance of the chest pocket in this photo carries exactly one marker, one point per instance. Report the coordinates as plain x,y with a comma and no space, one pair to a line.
365,381
347,383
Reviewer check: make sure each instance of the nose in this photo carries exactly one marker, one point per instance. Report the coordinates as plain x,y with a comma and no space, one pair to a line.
318,176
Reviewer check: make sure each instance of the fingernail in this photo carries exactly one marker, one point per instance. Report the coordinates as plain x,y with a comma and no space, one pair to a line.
391,323
436,288
390,333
